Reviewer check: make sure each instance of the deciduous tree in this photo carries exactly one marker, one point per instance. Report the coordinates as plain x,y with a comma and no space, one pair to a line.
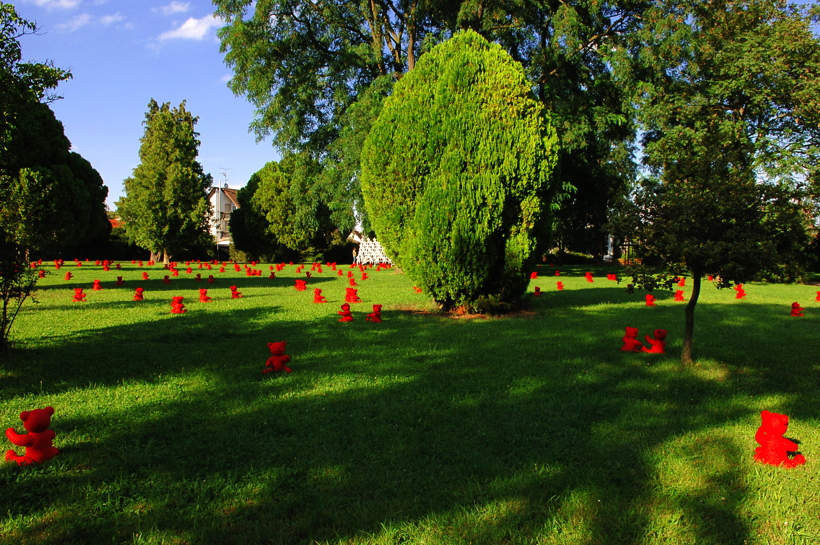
288,206
732,120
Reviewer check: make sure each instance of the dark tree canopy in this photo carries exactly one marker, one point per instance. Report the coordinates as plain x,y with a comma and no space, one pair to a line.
165,208
457,173
55,197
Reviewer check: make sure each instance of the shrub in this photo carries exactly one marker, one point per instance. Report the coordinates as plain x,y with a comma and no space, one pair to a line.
457,173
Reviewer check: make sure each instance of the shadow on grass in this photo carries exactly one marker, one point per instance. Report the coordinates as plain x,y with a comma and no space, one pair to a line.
155,283
486,431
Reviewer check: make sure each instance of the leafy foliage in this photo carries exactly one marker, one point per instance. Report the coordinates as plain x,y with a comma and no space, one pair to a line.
165,209
284,208
49,196
17,282
456,173
317,73
731,121
249,228
578,54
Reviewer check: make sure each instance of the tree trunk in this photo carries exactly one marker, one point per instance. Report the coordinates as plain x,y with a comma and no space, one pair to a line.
689,313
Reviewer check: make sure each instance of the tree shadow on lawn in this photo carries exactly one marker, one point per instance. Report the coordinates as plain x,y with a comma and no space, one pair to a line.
199,339
579,296
155,283
489,431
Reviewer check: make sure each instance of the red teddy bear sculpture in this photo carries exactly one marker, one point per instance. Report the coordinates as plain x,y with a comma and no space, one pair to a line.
679,295
318,297
138,294
203,296
658,344
797,310
301,285
536,292
38,440
346,315
276,362
774,449
79,296
235,294
741,293
650,300
177,307
352,295
631,342
376,315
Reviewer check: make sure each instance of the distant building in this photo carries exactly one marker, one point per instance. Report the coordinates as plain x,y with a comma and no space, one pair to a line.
223,203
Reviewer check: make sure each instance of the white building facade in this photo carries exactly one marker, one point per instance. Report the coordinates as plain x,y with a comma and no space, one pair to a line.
223,203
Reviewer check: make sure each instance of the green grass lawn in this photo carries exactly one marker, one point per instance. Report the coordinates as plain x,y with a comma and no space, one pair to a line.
525,429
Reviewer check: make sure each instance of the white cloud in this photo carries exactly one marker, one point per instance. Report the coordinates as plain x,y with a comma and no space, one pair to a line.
108,19
87,19
175,7
64,4
77,22
192,29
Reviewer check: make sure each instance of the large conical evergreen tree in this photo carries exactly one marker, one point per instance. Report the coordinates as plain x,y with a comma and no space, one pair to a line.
165,208
457,173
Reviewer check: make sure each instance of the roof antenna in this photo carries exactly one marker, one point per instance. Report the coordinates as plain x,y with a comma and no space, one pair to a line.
225,175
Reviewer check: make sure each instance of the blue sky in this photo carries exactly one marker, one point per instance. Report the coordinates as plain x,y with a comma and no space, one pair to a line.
123,53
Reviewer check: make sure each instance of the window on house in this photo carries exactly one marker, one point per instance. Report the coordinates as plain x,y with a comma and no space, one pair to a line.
228,208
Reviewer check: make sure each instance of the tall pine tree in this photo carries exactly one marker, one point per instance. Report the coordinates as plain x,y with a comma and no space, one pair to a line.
165,209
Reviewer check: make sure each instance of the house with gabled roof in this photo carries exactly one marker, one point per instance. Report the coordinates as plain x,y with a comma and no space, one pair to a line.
223,202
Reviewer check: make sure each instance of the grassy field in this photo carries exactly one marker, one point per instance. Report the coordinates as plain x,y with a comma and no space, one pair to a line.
525,429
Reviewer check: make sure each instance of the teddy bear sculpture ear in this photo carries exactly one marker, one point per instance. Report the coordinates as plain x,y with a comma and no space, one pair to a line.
24,415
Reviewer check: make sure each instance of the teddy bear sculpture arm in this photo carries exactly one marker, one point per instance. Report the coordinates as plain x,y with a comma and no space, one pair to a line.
20,439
